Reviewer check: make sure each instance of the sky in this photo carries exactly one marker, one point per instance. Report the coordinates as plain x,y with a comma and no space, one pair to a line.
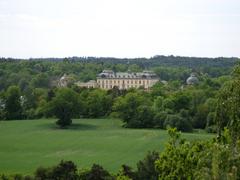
119,28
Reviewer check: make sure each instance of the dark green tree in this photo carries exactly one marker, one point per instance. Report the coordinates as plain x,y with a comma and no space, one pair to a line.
65,105
13,105
146,168
97,172
127,108
64,170
228,106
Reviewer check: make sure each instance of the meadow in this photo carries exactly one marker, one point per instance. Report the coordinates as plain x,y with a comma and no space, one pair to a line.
28,144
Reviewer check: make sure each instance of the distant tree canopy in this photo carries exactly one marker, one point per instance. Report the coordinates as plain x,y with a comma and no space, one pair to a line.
28,91
40,73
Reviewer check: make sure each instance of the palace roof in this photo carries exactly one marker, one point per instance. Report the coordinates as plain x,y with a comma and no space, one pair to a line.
127,75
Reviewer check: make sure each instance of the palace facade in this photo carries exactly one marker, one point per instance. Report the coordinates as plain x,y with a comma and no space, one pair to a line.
125,80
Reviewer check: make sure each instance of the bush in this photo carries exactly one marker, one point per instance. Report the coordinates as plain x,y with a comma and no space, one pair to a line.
97,173
159,119
143,117
126,173
64,170
180,158
177,121
146,168
211,129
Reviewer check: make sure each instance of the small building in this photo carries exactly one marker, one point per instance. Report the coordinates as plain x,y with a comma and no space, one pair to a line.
125,80
63,81
89,84
192,80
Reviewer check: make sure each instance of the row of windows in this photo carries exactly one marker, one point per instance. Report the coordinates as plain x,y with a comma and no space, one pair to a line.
127,86
123,82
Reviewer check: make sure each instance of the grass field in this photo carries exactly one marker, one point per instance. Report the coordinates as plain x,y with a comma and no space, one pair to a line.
26,145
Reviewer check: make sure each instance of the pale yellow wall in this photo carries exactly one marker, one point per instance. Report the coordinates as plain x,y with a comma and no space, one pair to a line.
126,83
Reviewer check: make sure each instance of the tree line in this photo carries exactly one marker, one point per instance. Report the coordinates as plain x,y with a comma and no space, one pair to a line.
43,73
165,105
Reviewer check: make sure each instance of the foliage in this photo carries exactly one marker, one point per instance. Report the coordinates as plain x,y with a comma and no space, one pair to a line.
64,106
180,158
177,121
219,161
97,103
13,105
128,107
146,168
228,111
126,173
97,173
64,170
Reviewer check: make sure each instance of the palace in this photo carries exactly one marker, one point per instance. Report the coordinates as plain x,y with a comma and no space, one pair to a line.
125,80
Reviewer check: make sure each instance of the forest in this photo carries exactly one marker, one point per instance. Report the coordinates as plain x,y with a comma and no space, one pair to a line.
29,91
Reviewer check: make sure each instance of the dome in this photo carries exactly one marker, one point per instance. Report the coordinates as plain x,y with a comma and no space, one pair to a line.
192,80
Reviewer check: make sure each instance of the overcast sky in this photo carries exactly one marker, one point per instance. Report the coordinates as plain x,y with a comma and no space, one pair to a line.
119,28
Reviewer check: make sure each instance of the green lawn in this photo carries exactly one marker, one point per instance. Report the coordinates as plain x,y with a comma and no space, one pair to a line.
26,145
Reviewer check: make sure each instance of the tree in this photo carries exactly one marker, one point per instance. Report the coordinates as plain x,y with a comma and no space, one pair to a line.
180,158
158,104
143,117
159,119
177,121
64,106
181,101
13,106
126,173
98,103
146,167
228,111
97,173
200,118
127,108
64,170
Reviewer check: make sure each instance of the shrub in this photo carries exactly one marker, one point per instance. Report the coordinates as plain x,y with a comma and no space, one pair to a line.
126,172
146,167
97,173
64,170
178,122
159,119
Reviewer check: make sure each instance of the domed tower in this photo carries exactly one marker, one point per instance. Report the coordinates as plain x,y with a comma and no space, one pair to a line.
192,80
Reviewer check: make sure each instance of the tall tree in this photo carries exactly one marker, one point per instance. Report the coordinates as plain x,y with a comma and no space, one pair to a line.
65,105
228,108
13,106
